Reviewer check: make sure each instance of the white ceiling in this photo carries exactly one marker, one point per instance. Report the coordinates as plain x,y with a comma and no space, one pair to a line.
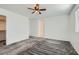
52,9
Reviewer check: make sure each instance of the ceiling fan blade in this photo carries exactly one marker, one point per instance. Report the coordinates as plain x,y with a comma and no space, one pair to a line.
39,12
33,12
31,8
42,9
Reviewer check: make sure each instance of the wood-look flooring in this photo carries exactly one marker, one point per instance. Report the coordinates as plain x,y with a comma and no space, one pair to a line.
51,47
39,46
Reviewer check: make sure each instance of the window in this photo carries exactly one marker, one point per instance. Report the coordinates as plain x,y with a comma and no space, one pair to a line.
77,20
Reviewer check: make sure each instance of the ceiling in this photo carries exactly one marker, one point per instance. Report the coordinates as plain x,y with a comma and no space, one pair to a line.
52,9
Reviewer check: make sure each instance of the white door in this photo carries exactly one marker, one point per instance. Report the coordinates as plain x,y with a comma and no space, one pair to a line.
41,26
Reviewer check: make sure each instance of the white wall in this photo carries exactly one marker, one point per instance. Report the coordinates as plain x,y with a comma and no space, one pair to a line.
17,26
33,27
74,36
57,27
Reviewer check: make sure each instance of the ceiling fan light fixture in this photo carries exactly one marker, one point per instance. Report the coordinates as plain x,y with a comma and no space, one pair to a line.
36,9
37,12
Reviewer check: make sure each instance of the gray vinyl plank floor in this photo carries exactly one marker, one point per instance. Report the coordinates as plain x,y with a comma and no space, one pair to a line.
39,46
51,47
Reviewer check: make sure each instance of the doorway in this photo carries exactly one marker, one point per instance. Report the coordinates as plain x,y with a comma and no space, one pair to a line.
2,30
41,26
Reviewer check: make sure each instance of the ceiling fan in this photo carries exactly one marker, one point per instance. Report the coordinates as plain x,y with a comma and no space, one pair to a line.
36,9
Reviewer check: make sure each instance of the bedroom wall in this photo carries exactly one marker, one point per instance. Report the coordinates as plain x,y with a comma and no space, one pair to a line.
57,27
74,36
17,26
33,27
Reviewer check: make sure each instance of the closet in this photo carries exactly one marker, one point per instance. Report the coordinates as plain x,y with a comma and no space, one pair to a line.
2,30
